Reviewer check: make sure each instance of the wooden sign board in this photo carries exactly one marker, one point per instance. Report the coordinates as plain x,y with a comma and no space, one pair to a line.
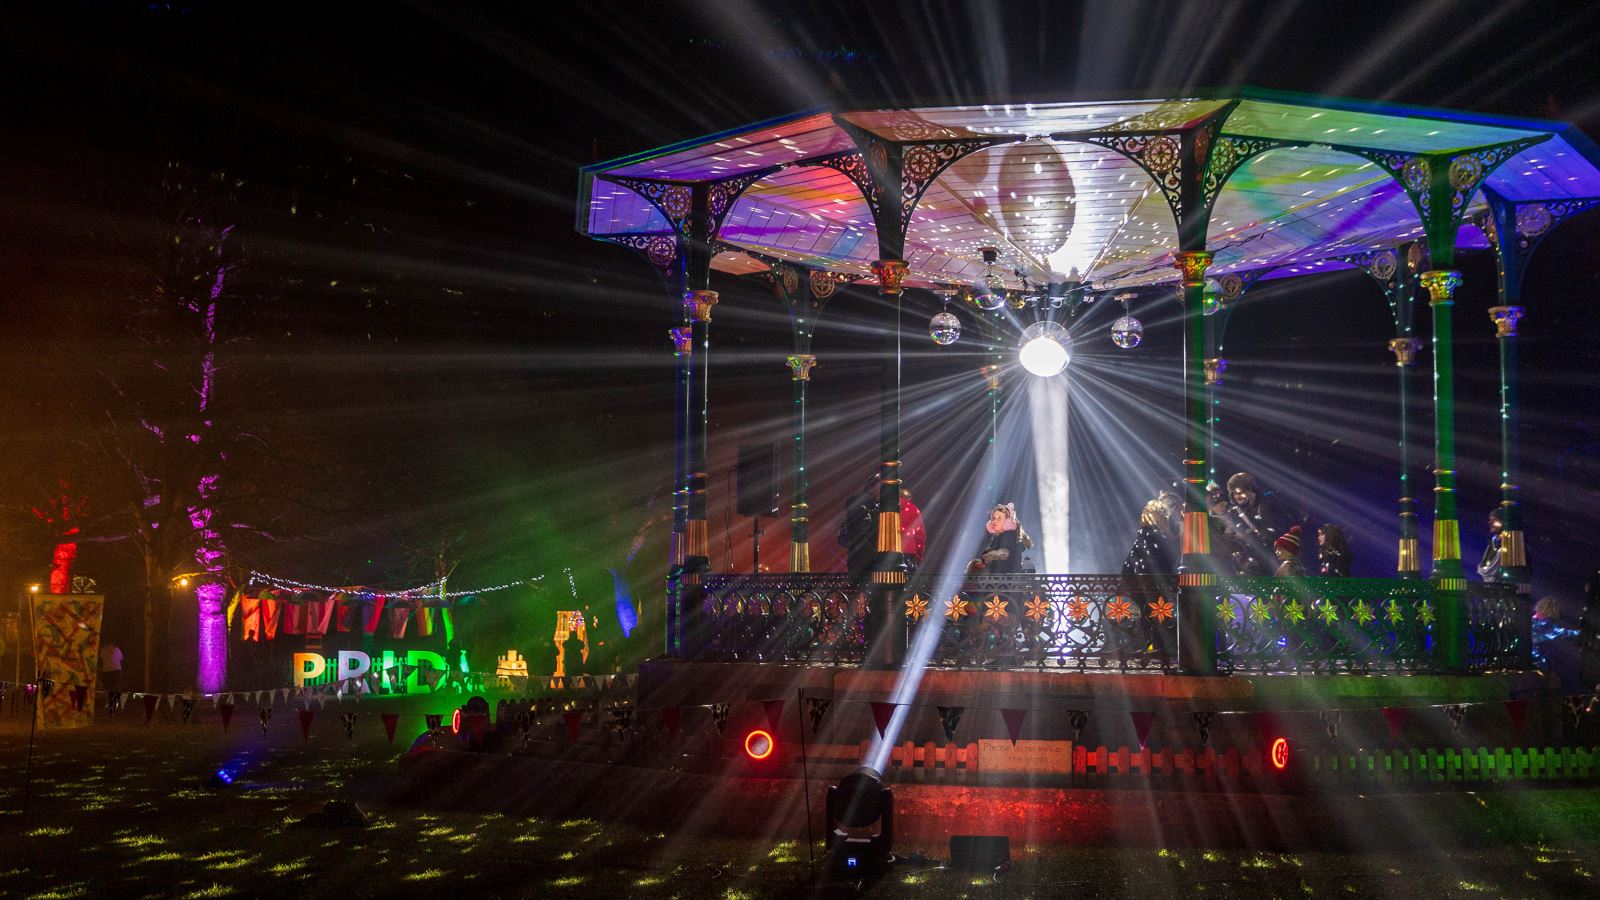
1032,757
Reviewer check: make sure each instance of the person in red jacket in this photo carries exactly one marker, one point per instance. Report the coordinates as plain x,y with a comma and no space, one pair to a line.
913,537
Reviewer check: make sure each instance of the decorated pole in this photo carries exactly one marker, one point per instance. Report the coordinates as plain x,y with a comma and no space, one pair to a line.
1197,626
800,365
1513,548
697,232
683,348
886,634
1408,562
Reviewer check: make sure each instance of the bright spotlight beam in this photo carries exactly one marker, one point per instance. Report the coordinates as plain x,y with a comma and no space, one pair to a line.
1044,349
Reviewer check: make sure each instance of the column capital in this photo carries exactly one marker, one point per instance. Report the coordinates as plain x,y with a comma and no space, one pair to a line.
891,275
1505,320
1214,369
682,340
697,304
800,365
1405,351
1192,264
1441,285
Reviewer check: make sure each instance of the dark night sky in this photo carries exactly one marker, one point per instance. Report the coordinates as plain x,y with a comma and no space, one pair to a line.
428,314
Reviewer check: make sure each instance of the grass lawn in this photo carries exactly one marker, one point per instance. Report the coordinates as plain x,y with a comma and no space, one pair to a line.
120,810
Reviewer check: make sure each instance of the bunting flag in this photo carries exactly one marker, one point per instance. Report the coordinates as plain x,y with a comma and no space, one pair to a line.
1013,719
818,709
950,717
265,715
225,710
349,722
1077,720
433,721
881,714
188,709
669,718
1330,722
774,713
1141,726
114,702
1395,718
150,701
574,721
1517,710
1202,724
80,693
719,716
431,677
390,720
621,721
306,715
1455,712
46,685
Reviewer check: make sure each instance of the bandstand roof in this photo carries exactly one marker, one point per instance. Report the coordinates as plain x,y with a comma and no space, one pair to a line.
1051,205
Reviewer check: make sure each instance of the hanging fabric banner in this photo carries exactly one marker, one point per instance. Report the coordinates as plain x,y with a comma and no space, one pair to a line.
1014,718
66,652
882,713
265,715
187,705
1202,725
774,713
818,709
574,722
433,721
1395,718
949,718
1142,721
150,701
1455,712
1517,711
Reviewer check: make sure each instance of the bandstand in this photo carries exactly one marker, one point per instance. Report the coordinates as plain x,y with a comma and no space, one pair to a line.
1022,209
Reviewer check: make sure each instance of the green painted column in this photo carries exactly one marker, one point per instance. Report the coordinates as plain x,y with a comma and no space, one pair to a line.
682,343
886,632
1513,546
800,365
1197,626
1408,563
697,554
1450,638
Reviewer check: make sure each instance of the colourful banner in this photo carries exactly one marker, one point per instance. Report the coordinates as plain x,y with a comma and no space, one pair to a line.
66,644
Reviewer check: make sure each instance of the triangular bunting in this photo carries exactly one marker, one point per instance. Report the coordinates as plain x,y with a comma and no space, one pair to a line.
774,710
1077,720
1013,719
113,701
1395,718
188,708
574,721
882,713
669,718
1141,726
349,722
265,715
433,721
719,716
306,715
1202,726
1455,712
1517,710
150,702
390,720
819,708
949,718
225,712
80,693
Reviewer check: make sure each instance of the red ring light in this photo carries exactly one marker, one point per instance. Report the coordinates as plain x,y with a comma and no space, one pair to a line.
758,744
455,721
1280,754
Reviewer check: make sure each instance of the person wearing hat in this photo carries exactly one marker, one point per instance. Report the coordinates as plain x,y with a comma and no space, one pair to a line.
1287,549
1004,541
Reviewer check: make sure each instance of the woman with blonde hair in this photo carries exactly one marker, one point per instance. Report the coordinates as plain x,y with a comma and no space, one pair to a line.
1151,553
1004,541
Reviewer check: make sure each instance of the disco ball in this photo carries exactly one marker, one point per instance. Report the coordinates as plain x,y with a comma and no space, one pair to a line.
1043,349
988,301
944,328
1127,332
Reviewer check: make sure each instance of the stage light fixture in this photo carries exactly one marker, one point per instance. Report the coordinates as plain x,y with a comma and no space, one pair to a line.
860,828
1280,754
759,744
1043,349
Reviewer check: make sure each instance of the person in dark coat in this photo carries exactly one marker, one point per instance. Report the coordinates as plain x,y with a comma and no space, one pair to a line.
858,534
1489,567
1333,552
1287,550
1004,541
1253,524
1151,553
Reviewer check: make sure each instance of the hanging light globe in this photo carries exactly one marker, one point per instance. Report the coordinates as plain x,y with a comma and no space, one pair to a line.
1043,349
944,328
1127,332
986,300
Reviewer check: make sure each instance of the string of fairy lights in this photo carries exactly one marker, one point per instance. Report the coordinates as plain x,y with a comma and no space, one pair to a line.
433,590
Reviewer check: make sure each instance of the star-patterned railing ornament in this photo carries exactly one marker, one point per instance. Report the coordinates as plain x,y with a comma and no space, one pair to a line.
916,608
1119,609
994,609
1328,612
1294,612
957,609
1161,610
1078,609
1362,613
1037,609
1261,611
1425,613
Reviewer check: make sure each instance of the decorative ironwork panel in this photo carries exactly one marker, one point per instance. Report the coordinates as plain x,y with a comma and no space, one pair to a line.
1324,624
660,249
921,164
1159,155
854,167
1499,628
818,618
1228,153
675,200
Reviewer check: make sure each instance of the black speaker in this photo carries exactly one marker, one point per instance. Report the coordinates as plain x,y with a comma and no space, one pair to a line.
979,852
758,482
